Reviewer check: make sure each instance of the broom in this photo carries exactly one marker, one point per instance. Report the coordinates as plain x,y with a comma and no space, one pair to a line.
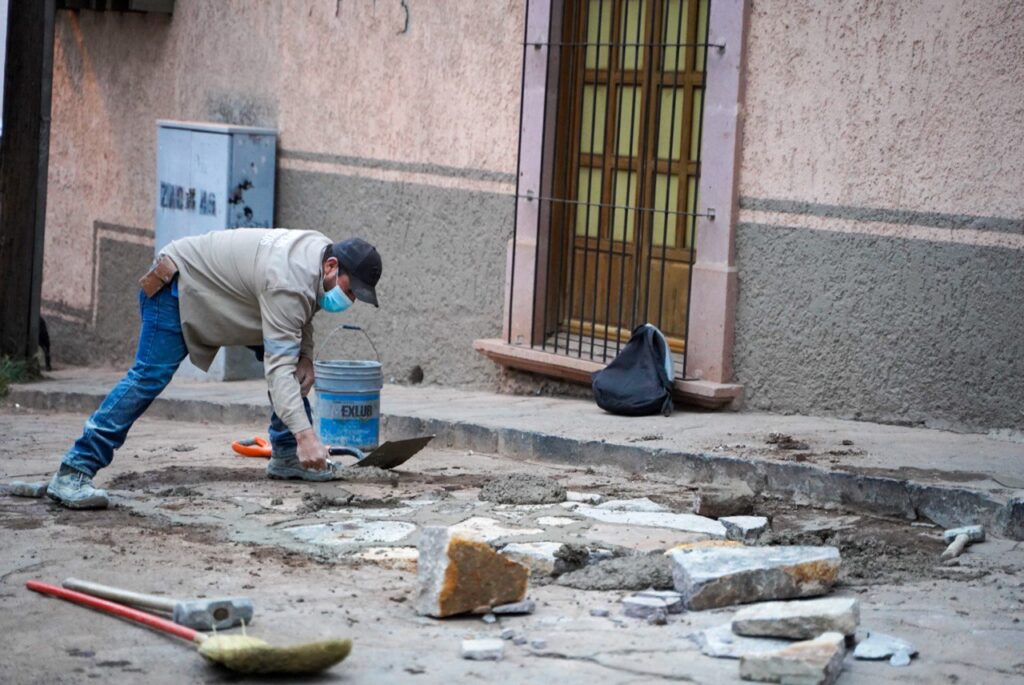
239,653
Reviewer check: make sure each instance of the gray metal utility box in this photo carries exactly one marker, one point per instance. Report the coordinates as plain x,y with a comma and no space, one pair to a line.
213,177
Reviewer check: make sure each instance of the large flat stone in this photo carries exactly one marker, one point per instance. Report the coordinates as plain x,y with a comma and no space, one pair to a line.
799,619
656,519
721,642
710,577
457,575
811,662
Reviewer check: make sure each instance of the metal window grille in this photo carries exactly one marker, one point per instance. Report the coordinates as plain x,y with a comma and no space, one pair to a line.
619,208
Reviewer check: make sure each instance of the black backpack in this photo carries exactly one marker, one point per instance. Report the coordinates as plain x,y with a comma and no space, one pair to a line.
638,381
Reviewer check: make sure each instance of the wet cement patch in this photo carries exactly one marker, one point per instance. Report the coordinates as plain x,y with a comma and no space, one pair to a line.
184,475
623,573
522,488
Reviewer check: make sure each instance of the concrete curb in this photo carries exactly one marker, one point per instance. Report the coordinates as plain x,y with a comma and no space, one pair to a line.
947,505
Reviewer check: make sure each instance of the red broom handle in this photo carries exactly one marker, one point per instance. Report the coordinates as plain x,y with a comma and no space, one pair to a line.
117,610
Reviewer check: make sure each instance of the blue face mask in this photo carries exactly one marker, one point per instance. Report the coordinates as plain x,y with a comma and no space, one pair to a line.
335,301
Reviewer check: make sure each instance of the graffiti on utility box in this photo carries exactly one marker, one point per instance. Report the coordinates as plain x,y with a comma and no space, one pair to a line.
177,197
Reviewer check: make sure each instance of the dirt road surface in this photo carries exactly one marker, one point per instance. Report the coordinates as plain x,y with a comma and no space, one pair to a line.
191,519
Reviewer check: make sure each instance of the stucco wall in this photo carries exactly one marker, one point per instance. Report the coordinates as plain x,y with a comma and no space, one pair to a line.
397,126
881,241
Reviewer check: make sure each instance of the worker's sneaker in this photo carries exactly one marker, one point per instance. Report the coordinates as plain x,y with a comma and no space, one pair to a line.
287,467
74,490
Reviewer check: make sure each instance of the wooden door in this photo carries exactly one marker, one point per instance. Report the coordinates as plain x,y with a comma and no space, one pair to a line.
626,172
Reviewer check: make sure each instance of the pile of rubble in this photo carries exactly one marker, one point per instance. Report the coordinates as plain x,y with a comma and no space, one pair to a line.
787,631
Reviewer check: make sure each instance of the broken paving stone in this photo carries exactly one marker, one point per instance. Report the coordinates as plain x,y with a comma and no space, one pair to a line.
712,577
457,575
717,501
799,619
881,646
640,504
539,557
508,634
643,607
721,642
744,528
522,488
673,600
483,650
19,488
557,521
622,573
539,644
900,658
519,640
489,529
656,519
527,606
490,618
584,497
811,662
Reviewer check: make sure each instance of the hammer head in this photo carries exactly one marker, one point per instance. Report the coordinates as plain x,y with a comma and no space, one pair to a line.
213,614
973,533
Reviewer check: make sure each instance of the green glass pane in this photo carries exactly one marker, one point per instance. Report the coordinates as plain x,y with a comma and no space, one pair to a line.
702,32
666,197
588,190
592,122
698,100
676,33
634,14
625,196
691,206
628,136
670,122
599,30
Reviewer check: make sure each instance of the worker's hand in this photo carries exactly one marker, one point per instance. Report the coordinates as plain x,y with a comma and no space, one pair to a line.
304,374
312,453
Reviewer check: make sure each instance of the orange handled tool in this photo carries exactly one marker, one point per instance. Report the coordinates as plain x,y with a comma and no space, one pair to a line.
257,447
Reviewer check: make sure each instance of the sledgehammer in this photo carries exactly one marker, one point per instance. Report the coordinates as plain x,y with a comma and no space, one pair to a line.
959,538
200,614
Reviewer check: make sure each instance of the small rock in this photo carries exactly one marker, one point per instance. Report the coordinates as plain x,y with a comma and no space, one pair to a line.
483,650
276,502
710,577
721,642
846,443
490,618
673,600
539,644
527,606
881,646
799,620
456,575
643,607
19,488
900,658
658,618
508,634
812,662
585,497
641,504
519,640
600,613
744,528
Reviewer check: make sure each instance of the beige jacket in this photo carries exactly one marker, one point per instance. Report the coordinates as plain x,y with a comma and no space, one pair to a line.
253,286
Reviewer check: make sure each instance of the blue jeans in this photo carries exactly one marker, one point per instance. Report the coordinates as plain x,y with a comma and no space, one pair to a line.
161,350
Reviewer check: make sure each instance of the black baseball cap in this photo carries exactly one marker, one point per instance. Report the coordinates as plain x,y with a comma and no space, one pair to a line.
361,261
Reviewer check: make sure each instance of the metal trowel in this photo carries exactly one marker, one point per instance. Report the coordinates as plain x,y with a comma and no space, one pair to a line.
391,454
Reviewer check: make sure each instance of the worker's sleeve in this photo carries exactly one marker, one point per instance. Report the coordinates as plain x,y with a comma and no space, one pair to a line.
307,340
285,315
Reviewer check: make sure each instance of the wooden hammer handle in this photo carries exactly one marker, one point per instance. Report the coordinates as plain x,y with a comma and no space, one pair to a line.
118,595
